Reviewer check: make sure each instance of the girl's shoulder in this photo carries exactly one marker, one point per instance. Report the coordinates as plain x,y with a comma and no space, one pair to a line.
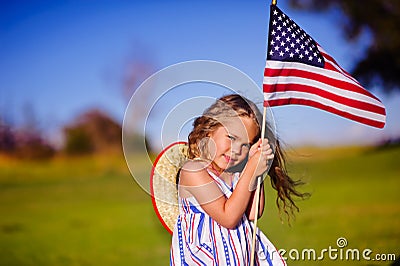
195,165
195,180
194,172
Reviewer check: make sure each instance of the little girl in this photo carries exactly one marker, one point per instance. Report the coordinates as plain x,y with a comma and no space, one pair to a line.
216,203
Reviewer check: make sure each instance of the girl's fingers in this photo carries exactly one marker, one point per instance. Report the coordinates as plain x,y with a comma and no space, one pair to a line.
257,144
267,152
264,148
254,148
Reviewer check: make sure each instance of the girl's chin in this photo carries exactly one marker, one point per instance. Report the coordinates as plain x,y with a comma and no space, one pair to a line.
222,165
229,161
225,163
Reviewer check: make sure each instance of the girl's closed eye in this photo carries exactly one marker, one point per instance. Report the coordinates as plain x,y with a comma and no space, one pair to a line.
231,137
246,146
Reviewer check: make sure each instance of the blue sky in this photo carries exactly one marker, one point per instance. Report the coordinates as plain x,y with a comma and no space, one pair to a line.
62,57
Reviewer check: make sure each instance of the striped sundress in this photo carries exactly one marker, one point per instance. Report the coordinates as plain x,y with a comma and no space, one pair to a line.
199,240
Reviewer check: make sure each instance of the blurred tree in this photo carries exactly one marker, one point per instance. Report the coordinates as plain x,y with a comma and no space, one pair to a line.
92,131
26,141
78,140
381,64
31,145
139,66
7,140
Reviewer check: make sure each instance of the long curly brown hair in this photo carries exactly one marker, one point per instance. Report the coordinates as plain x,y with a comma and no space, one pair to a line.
235,105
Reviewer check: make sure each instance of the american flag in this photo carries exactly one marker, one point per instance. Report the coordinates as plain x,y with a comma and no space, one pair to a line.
299,71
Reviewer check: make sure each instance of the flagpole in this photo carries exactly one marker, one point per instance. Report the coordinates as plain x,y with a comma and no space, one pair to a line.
257,194
259,180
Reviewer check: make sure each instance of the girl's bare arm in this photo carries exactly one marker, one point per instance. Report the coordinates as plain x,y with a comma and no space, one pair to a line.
195,180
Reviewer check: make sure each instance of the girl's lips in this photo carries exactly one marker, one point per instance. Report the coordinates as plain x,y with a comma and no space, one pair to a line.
229,159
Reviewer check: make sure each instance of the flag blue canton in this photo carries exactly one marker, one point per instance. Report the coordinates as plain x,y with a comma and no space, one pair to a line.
290,43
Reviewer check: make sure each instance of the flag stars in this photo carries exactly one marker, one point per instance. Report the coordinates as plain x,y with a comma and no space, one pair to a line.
303,49
288,42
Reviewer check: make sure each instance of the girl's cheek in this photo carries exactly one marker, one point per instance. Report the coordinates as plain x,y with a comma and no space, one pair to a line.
212,148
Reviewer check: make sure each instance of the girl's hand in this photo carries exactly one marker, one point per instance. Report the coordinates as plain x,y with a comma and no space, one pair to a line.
259,154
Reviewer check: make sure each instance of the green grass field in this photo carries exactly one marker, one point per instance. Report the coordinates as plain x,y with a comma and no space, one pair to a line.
90,211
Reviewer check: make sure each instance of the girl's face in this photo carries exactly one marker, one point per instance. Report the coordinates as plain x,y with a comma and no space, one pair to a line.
230,143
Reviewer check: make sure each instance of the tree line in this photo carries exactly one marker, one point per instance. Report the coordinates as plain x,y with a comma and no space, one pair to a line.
92,131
